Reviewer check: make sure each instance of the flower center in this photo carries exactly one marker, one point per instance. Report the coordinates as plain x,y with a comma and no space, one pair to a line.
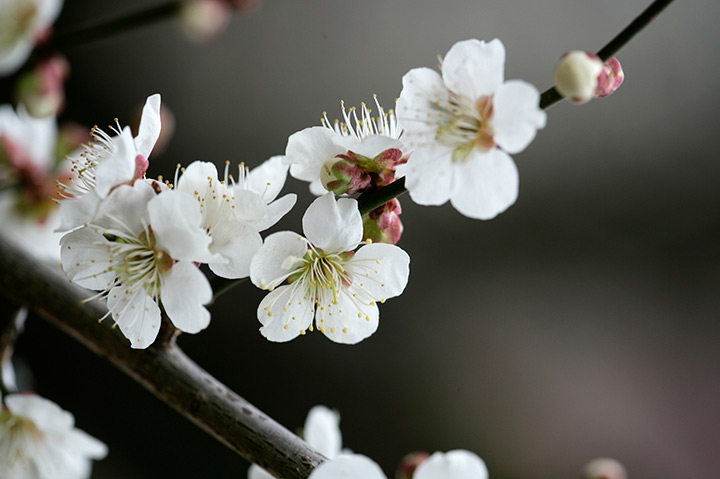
319,272
137,262
469,126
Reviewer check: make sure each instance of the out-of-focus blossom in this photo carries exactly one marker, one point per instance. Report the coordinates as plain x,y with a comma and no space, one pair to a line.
321,431
28,173
409,463
329,283
461,126
38,440
581,76
42,90
604,468
457,464
22,24
106,163
142,248
203,20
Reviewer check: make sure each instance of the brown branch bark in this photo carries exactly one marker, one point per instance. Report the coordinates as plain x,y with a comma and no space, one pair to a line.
162,368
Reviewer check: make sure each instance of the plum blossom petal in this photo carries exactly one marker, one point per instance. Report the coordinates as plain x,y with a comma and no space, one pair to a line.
265,265
457,464
348,466
177,222
474,68
86,260
149,128
486,184
517,115
284,315
136,314
268,179
309,149
257,472
429,176
119,167
333,225
237,243
384,269
347,320
184,292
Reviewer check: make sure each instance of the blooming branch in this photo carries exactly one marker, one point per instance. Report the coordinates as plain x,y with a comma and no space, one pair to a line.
163,369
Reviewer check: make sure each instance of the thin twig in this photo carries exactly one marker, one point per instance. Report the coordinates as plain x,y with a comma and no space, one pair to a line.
162,368
114,26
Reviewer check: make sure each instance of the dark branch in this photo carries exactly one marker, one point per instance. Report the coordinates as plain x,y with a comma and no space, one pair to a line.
163,368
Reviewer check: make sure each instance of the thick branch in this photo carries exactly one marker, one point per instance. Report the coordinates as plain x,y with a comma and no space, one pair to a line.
163,369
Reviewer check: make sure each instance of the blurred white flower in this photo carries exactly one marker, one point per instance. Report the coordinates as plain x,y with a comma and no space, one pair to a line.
328,281
38,440
457,464
141,249
308,150
22,24
321,431
455,123
28,181
107,162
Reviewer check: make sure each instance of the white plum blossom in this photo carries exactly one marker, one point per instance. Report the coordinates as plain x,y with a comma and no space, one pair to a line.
38,440
461,127
457,464
141,249
22,24
308,150
321,431
27,164
234,214
105,163
329,282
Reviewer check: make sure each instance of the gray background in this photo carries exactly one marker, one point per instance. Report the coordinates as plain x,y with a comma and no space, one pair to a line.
583,322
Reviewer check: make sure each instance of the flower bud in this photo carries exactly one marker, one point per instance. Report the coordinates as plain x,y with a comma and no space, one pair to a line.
202,20
384,166
576,75
604,468
42,90
383,225
409,463
342,175
610,78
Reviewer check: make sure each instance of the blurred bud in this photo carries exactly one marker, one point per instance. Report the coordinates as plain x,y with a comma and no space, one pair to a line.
576,75
202,20
246,6
342,174
383,225
604,468
409,463
42,90
610,78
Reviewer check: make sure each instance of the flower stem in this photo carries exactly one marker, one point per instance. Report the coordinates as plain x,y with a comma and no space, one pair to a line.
372,199
114,26
551,96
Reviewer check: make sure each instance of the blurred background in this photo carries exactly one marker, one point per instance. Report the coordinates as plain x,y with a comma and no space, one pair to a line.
583,322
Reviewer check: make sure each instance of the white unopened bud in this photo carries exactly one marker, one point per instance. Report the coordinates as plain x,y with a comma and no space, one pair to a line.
576,75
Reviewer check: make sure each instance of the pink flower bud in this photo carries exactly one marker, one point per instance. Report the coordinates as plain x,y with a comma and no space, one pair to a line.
42,90
141,166
409,463
383,225
581,76
604,468
610,78
343,175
